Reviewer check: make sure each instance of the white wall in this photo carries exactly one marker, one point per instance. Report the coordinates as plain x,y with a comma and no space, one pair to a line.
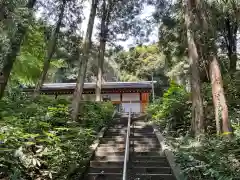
113,97
130,97
92,97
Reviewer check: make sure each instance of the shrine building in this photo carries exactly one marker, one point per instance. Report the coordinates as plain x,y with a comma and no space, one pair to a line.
124,95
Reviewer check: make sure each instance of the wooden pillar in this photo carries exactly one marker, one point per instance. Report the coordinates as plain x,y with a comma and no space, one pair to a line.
141,105
120,105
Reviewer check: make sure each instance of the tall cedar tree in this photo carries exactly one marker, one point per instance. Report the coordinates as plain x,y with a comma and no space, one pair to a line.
106,10
15,44
231,26
83,60
197,124
219,100
50,49
117,17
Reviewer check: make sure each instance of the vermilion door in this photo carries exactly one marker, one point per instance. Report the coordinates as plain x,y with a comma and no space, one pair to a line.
145,100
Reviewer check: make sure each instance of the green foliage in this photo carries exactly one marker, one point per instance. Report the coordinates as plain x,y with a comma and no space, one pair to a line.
172,111
141,62
39,140
209,159
94,112
29,64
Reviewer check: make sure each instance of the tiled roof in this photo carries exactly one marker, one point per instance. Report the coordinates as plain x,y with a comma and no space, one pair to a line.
106,85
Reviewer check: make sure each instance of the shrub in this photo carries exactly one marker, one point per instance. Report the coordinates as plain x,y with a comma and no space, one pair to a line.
39,140
209,159
172,111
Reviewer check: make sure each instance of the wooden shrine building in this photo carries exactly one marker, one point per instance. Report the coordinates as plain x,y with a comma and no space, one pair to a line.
124,95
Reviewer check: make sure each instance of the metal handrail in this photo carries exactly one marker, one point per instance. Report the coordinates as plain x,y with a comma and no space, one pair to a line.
127,144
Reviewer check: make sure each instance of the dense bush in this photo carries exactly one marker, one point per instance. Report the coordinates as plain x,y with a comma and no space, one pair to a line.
172,111
210,158
39,140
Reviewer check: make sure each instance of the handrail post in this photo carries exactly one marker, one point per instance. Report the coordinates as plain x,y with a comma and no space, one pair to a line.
126,155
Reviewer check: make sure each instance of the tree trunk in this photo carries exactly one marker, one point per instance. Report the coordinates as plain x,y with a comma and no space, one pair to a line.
231,42
103,37
2,11
197,124
219,99
83,60
15,44
50,50
100,69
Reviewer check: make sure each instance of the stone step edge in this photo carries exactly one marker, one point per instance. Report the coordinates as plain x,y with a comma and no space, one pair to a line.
148,174
136,167
136,174
135,157
117,174
121,161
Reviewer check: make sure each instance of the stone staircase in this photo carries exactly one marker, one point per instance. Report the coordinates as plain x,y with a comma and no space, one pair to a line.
146,162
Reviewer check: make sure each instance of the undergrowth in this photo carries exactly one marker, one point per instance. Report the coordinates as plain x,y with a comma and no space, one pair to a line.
209,158
38,140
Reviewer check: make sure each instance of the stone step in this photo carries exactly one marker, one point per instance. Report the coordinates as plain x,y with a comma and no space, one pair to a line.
163,163
152,177
134,126
104,153
133,158
121,149
114,136
118,126
122,137
117,153
149,158
135,129
109,158
105,170
111,149
152,153
146,149
117,130
133,122
143,135
132,144
152,170
104,176
106,164
143,131
133,134
121,140
135,144
140,123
